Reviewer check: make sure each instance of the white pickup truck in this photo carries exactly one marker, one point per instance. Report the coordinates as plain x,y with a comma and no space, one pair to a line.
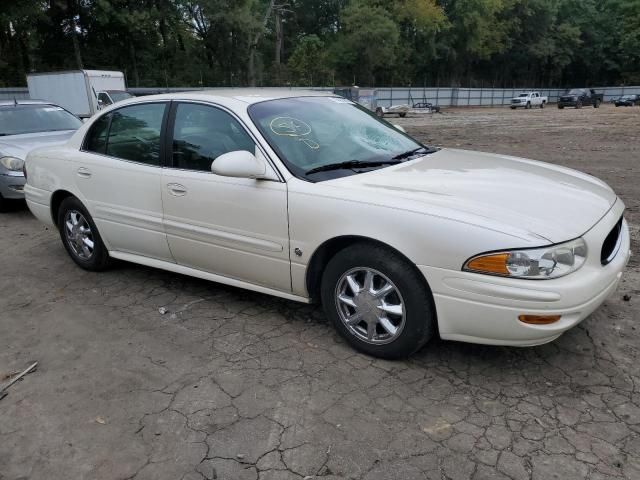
528,100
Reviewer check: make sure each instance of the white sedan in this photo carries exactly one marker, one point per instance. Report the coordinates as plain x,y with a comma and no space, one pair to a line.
308,196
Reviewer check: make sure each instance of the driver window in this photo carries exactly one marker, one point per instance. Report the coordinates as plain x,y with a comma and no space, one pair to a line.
202,133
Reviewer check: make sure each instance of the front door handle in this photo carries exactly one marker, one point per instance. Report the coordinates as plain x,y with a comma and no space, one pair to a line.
176,189
84,172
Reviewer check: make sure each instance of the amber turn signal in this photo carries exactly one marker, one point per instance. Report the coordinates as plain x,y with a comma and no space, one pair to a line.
539,319
490,264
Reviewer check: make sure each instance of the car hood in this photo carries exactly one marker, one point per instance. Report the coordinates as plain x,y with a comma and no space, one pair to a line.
20,145
521,197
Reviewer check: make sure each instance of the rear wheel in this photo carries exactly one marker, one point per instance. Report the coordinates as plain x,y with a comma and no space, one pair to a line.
596,104
402,115
579,104
560,107
378,301
80,236
528,105
513,108
542,105
379,112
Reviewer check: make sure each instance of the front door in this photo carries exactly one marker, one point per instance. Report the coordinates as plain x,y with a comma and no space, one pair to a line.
234,227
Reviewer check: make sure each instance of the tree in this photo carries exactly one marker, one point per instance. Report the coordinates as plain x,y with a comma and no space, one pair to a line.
367,42
308,62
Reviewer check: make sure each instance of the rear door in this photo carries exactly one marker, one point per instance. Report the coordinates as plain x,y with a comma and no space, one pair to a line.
234,227
119,174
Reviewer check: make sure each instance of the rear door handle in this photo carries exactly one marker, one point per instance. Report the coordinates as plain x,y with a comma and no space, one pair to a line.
84,172
177,190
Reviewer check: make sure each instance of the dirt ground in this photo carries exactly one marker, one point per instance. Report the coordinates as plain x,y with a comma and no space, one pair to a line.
234,385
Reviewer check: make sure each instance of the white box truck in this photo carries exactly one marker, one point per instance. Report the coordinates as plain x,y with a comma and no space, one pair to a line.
82,92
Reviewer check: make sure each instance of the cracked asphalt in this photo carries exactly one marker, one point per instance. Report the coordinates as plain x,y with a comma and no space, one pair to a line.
229,384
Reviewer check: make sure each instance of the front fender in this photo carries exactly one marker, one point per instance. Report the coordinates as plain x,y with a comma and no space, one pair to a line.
425,239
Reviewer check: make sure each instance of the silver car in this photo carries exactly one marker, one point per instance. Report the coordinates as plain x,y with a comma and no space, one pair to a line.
25,125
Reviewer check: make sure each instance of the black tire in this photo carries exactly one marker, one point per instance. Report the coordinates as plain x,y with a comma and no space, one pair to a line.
402,115
379,112
3,204
419,310
596,104
579,104
528,107
542,105
512,108
99,258
560,107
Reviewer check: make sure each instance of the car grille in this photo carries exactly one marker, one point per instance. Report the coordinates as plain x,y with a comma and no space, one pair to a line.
611,244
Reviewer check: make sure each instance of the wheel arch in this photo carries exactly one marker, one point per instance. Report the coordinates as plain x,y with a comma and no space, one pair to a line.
56,200
326,250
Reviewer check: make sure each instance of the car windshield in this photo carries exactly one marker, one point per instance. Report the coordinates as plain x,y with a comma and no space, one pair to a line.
311,133
575,91
523,95
20,119
118,96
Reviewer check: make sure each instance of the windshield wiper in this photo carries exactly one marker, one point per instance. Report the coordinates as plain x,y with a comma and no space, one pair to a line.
411,153
351,164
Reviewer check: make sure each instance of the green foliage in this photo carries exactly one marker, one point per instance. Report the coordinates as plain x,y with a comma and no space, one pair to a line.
308,62
368,42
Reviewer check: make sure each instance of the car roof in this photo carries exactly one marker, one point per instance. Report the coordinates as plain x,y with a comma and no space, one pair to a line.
245,95
9,103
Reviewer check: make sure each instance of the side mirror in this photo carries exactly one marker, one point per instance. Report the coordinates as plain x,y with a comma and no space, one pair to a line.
400,127
242,164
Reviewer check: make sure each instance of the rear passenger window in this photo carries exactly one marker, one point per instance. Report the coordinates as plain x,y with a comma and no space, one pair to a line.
96,140
135,133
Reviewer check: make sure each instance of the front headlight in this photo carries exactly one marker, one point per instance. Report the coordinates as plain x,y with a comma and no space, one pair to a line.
12,163
536,263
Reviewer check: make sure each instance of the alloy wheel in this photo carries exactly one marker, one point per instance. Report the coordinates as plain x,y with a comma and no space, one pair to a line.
78,233
370,305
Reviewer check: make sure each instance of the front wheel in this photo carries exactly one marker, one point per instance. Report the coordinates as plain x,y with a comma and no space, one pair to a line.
528,107
560,107
579,104
80,236
378,301
379,112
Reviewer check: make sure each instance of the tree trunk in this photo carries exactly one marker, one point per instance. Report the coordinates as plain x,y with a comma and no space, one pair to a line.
71,11
279,38
134,64
253,45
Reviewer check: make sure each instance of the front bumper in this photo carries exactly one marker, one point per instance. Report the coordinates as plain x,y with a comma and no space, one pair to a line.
12,185
480,308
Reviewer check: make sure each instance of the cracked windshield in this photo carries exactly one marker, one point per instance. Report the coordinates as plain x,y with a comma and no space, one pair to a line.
312,133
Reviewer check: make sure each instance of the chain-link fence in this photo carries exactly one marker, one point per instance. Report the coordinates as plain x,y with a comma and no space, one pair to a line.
442,96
